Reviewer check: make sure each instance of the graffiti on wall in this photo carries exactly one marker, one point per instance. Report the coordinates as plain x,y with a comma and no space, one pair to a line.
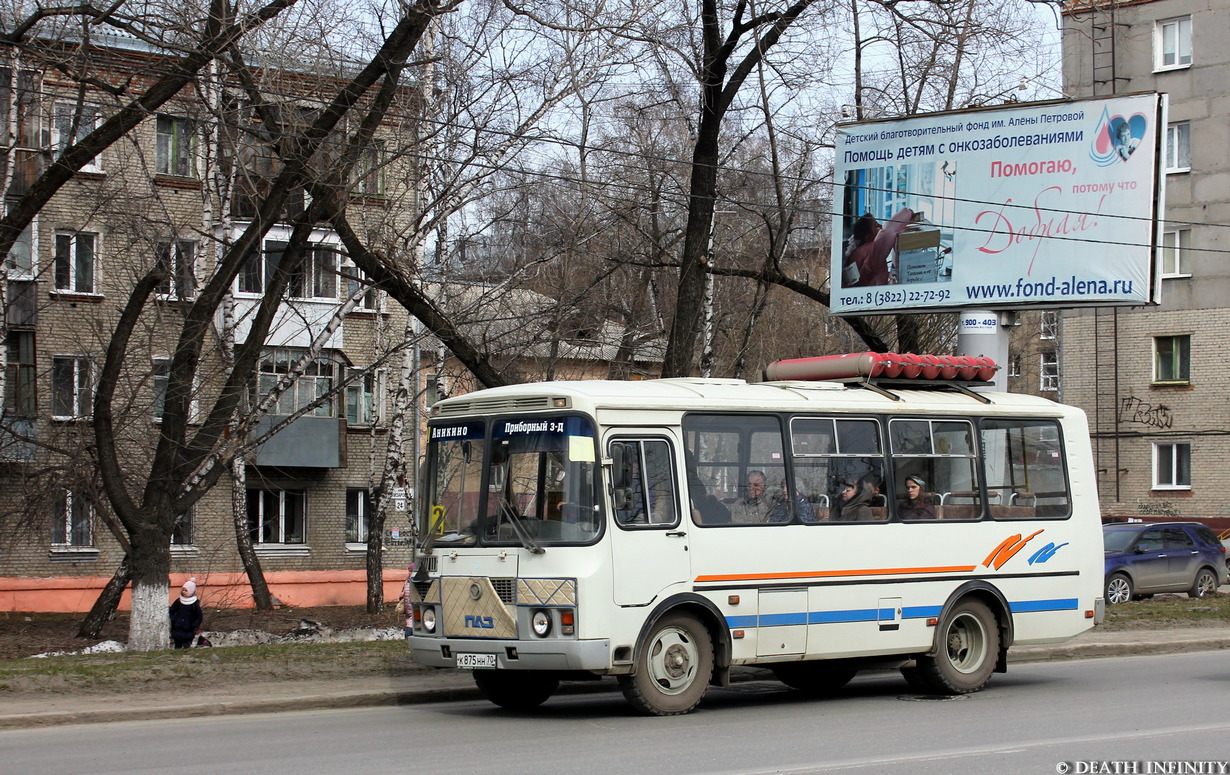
1159,509
1132,409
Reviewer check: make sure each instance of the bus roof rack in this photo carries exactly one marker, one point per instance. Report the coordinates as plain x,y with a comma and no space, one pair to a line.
879,371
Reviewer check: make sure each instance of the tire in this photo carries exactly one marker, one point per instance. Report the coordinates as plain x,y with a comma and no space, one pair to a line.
818,678
1205,583
673,668
1118,589
515,689
967,651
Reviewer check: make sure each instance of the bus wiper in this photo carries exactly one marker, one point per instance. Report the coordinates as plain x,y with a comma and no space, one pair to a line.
515,519
432,530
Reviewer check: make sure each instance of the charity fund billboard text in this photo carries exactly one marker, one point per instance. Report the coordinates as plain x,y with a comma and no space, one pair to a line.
1042,204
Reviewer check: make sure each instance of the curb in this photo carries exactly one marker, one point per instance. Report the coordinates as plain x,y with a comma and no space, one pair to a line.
466,690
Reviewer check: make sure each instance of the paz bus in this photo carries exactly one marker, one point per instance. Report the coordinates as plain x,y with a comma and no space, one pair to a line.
898,517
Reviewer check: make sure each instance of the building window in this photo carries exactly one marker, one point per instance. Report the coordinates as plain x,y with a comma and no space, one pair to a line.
21,256
259,267
75,254
276,516
72,122
1014,366
178,261
27,99
316,277
369,171
176,150
358,513
313,388
20,398
1048,372
182,534
72,523
1179,147
1172,466
1175,245
72,390
1049,325
363,393
356,284
160,379
1172,359
1172,44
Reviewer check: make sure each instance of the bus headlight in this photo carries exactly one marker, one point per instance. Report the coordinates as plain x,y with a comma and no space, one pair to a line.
541,623
429,619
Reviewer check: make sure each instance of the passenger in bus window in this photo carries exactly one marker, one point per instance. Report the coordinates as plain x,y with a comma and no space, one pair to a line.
755,504
853,502
781,507
916,504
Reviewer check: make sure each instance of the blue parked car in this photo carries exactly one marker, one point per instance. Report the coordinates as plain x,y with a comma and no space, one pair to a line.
1143,558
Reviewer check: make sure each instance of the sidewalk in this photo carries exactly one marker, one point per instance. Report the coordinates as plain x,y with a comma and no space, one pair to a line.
444,685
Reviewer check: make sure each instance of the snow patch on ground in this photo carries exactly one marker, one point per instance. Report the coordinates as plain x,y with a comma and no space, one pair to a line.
306,632
106,647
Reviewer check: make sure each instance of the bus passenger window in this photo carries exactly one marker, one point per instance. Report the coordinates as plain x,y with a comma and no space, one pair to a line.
941,454
839,468
1025,468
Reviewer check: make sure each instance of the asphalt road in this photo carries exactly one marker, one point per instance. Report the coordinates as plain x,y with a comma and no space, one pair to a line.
1034,719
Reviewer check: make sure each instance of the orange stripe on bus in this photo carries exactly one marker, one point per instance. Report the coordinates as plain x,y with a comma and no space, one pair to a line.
832,573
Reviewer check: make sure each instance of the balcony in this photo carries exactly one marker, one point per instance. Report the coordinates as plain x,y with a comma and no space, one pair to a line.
308,442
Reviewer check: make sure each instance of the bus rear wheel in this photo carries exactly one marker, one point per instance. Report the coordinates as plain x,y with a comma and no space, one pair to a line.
966,653
515,689
673,668
815,678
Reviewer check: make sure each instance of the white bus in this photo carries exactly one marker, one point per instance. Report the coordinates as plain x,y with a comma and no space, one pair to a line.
573,530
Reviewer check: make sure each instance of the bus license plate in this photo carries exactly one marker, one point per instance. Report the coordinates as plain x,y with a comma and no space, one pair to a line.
476,661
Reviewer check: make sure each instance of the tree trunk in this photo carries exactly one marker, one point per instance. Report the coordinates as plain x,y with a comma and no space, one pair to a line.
106,604
390,474
150,626
909,337
243,542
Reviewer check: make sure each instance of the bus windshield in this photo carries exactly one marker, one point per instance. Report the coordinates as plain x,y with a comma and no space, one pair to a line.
529,482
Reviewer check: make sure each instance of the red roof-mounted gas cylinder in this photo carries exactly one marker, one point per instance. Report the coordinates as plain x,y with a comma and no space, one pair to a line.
869,365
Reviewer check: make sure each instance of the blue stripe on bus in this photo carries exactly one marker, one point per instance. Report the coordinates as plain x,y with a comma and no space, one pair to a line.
838,617
1029,606
885,614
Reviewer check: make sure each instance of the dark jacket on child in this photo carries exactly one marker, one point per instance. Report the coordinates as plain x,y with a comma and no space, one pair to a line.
186,618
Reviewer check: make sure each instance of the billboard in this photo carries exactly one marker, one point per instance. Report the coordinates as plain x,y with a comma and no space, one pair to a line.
1030,205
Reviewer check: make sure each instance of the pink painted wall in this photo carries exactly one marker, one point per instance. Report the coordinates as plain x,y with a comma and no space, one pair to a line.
297,589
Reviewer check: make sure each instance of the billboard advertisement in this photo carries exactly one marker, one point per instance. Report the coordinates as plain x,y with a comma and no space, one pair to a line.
1035,205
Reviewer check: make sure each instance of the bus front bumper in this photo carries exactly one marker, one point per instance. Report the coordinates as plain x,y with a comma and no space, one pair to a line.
586,655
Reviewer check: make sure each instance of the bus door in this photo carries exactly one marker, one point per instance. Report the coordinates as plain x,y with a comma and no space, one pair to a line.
649,541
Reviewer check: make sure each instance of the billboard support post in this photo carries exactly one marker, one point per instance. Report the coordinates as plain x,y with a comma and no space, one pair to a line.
985,332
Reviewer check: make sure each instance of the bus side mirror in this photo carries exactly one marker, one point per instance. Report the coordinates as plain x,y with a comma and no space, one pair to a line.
621,474
623,499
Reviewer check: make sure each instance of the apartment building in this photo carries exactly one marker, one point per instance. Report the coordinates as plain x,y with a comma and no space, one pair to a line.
175,192
1153,379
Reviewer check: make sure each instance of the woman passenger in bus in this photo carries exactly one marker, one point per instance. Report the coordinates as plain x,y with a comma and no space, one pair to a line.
915,504
854,501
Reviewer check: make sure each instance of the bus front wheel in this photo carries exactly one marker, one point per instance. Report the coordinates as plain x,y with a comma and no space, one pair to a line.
673,668
966,653
515,689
